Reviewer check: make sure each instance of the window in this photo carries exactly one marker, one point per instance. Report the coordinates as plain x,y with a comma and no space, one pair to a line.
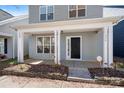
1,46
45,44
76,10
46,12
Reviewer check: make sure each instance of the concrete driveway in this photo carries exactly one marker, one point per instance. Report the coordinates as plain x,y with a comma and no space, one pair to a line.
26,82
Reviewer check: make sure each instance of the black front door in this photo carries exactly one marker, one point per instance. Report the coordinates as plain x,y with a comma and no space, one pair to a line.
75,47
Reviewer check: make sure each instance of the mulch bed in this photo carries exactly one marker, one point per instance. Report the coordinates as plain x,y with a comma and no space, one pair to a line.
107,76
106,72
41,70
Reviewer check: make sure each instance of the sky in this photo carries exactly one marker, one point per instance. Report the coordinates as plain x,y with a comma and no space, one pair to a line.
15,10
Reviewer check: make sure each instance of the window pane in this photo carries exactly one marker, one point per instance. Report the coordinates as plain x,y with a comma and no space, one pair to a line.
43,9
46,44
40,41
43,13
46,49
50,9
50,16
72,13
52,49
39,49
46,40
81,12
40,45
52,40
50,12
52,44
43,17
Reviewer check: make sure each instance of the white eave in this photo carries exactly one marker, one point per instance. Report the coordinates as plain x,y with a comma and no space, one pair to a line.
113,20
13,19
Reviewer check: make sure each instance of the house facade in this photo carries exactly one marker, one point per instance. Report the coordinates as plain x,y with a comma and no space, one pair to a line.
67,33
61,13
8,36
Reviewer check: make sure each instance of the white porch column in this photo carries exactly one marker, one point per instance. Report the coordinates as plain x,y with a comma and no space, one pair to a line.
105,46
13,47
20,47
110,45
59,46
56,47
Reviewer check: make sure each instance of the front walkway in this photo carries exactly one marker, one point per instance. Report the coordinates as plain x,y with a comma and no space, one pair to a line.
77,69
26,82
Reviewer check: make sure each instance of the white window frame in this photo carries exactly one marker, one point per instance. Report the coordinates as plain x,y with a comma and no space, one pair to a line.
43,44
47,12
2,46
77,12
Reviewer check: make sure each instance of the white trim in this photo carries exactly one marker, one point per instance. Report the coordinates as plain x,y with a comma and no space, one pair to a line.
67,47
20,46
59,46
105,46
77,13
110,45
55,47
47,13
13,47
2,46
13,19
69,57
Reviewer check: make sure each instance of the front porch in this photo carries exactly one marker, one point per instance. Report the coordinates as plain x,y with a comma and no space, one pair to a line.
97,40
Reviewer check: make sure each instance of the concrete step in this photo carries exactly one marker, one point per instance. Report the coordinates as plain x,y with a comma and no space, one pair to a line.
79,73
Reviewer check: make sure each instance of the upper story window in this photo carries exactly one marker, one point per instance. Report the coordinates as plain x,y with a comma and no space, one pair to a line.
77,11
46,12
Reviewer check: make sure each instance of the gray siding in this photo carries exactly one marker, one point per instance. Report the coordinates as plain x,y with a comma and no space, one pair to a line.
61,13
91,46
